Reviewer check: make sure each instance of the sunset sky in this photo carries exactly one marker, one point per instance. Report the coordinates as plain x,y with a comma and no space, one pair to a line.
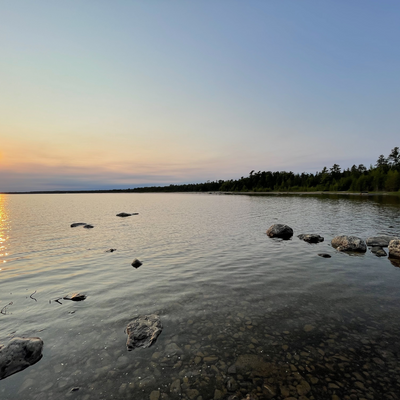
117,94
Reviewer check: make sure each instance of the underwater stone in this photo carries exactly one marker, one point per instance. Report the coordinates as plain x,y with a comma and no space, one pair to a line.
20,353
143,331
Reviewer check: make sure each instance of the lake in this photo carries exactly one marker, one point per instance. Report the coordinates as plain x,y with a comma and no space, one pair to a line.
243,315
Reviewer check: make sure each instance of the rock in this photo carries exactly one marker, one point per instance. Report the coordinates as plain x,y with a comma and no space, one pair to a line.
394,248
87,226
77,224
136,263
280,231
123,214
75,297
380,241
111,250
325,255
155,395
349,243
143,331
175,387
308,328
255,364
19,354
311,238
378,251
74,389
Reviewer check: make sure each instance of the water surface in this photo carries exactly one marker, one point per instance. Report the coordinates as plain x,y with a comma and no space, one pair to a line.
243,314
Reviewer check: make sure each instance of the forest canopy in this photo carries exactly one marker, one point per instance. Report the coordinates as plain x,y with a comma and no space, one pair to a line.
383,176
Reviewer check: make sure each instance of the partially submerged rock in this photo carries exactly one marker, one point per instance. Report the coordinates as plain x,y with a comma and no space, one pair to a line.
75,297
143,331
394,248
378,251
280,231
324,255
381,241
349,243
18,354
136,263
75,224
111,250
88,226
311,238
123,214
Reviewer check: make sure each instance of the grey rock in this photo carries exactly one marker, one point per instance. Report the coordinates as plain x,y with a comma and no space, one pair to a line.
280,231
19,354
394,248
349,243
381,241
311,238
136,263
324,255
143,331
378,251
75,224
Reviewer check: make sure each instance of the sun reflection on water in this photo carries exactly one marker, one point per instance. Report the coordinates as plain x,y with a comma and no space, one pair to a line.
3,228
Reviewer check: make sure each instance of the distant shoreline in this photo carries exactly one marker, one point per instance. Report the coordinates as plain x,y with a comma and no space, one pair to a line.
277,193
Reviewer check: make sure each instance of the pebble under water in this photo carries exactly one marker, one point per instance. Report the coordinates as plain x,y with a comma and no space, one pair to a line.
244,316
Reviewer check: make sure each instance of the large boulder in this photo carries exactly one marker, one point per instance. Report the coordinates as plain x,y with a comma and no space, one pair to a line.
311,238
380,241
143,331
280,231
394,248
349,243
19,354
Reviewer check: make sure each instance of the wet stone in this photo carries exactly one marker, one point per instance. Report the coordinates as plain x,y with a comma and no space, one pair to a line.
378,251
143,331
311,238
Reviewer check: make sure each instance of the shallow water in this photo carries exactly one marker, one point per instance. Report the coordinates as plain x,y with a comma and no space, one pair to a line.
243,314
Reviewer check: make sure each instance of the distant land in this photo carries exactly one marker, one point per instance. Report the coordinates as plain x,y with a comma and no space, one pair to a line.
384,176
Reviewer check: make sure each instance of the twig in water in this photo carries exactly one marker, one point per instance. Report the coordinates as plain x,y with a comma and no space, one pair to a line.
4,309
32,295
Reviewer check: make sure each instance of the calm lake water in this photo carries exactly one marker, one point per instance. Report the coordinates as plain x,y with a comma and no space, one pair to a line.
244,316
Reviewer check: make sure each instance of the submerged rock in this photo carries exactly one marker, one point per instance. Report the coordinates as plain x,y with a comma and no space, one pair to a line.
394,248
75,224
75,297
123,214
324,255
136,263
349,243
311,238
378,251
20,353
381,241
280,231
143,331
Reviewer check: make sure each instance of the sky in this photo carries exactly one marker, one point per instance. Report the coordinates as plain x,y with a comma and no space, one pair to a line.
120,94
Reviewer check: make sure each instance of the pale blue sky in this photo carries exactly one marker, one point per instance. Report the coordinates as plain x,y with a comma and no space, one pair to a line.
113,94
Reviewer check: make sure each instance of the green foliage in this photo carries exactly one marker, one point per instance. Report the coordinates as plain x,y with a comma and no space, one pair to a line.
385,175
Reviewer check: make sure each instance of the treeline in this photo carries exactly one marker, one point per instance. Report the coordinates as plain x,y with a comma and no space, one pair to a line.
383,176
